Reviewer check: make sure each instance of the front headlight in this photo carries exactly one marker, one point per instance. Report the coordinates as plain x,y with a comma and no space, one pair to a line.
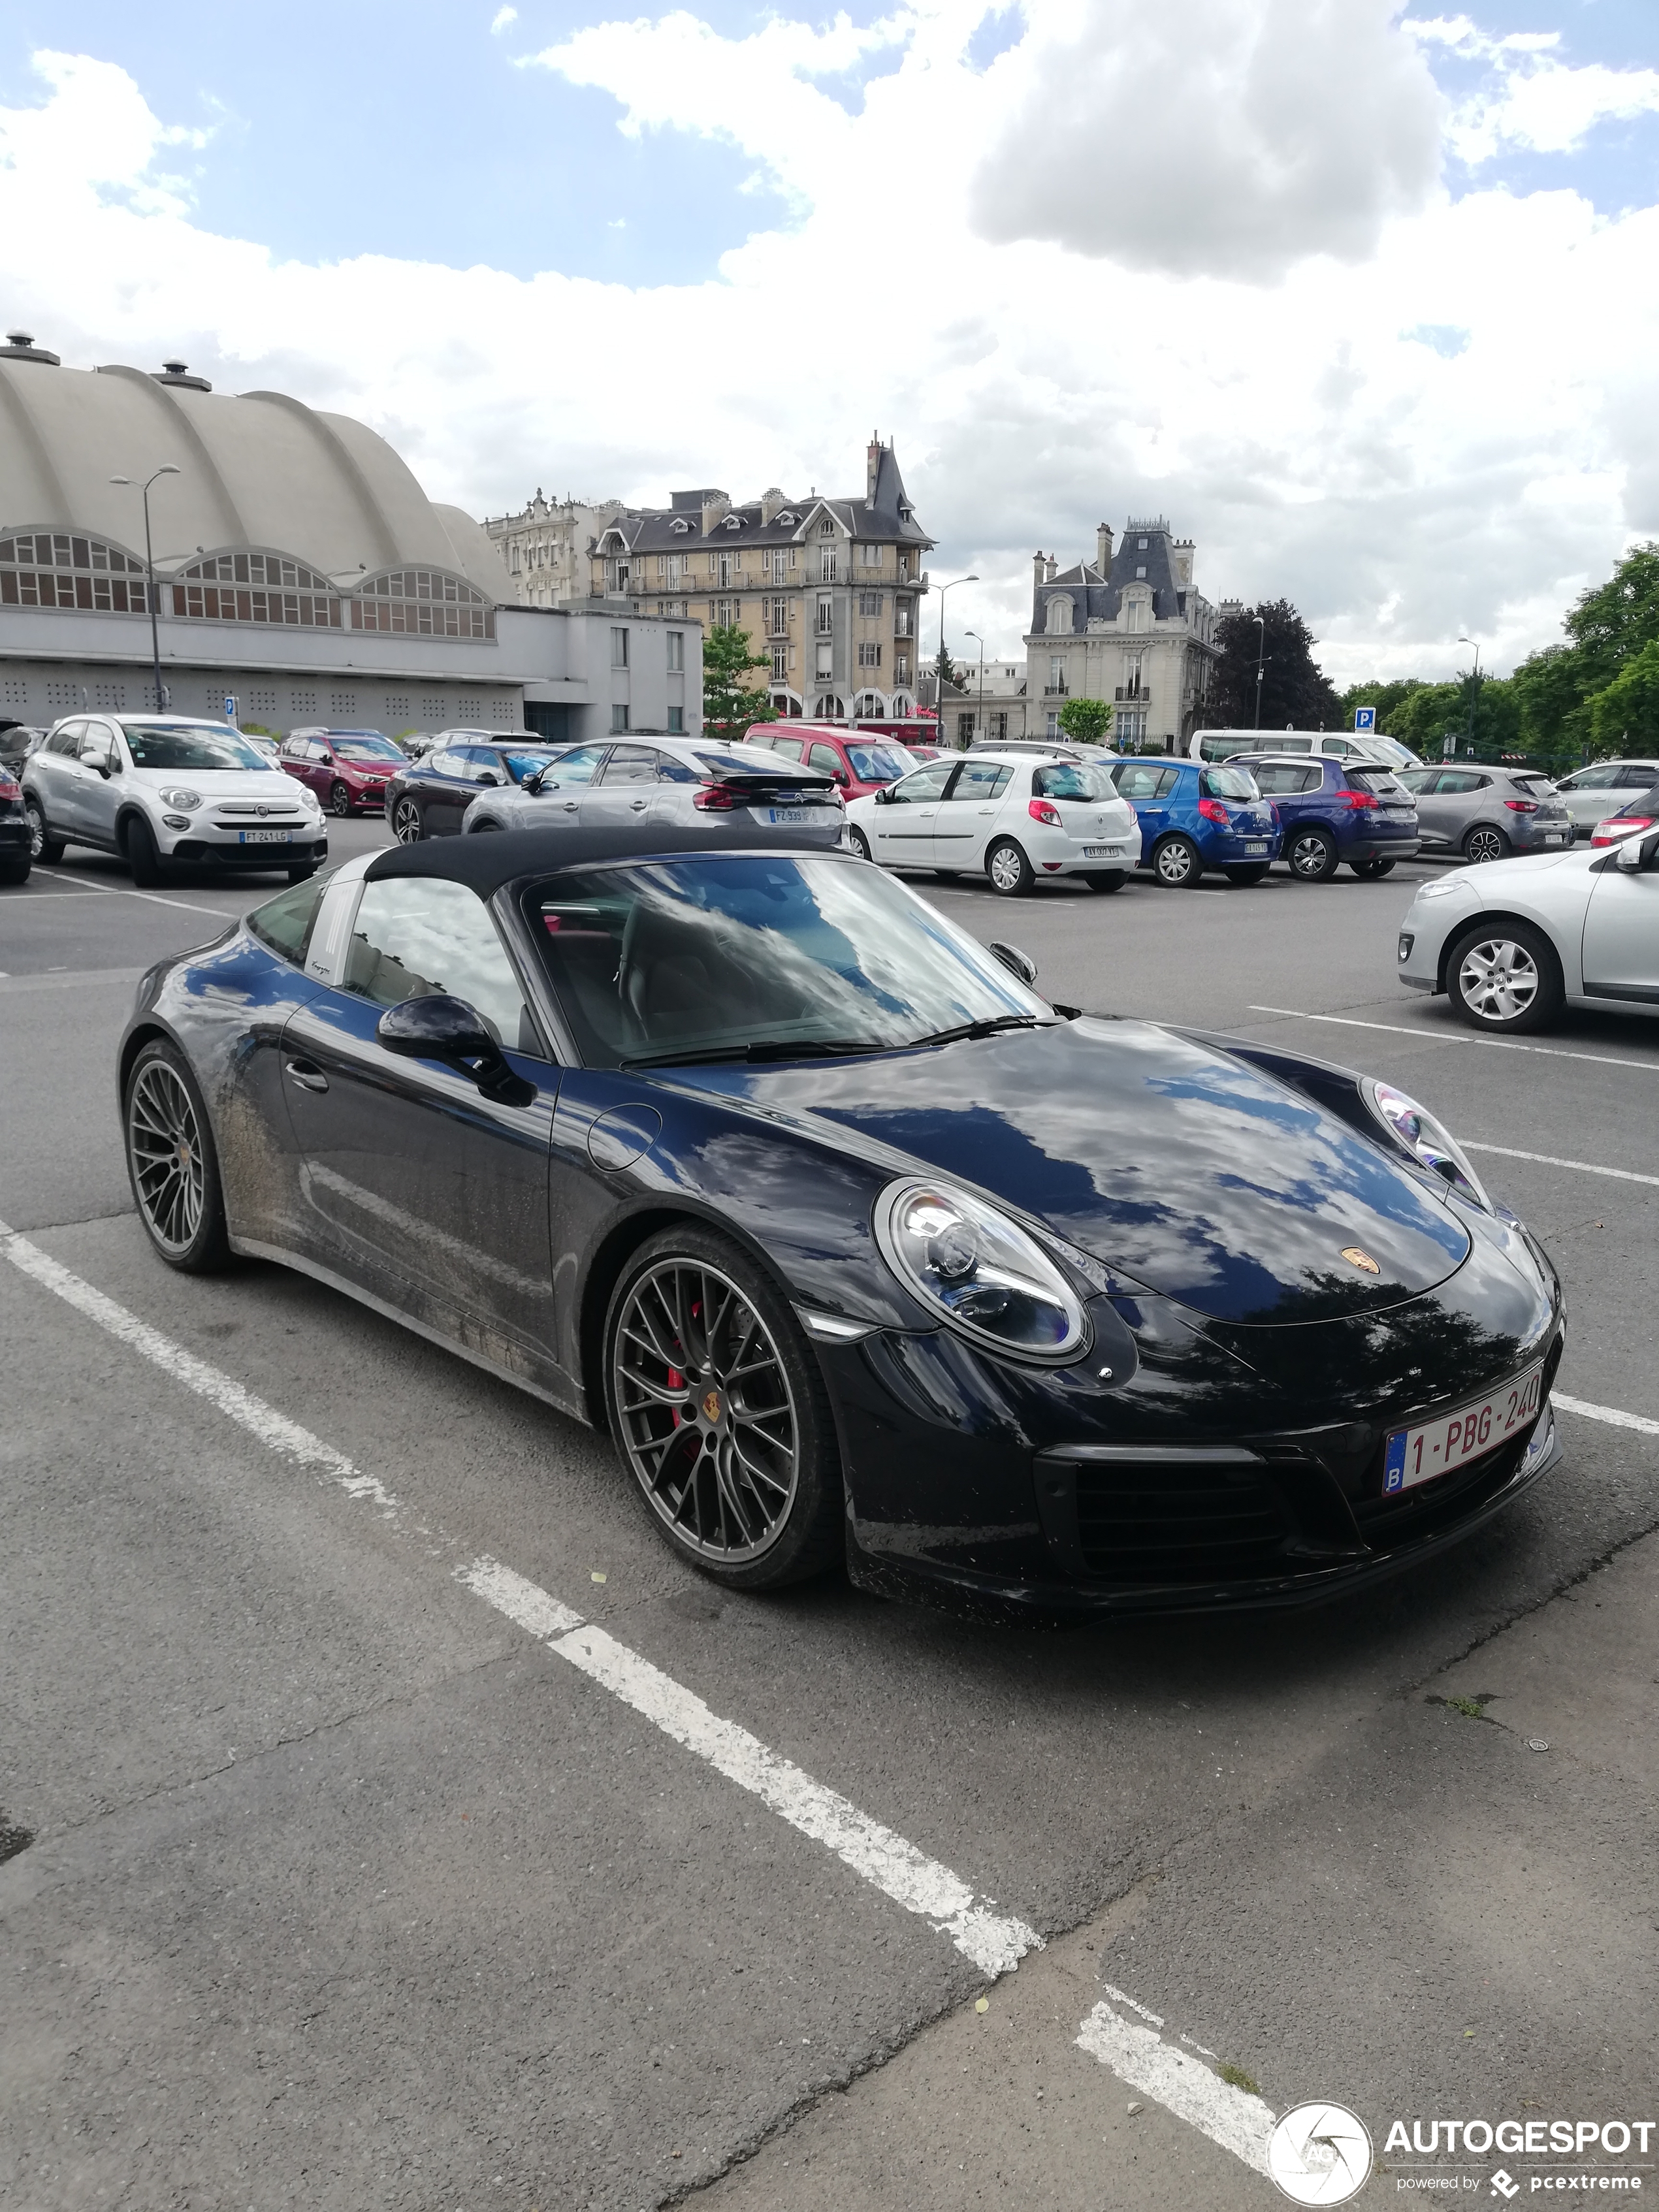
1442,887
985,1274
180,797
1416,1131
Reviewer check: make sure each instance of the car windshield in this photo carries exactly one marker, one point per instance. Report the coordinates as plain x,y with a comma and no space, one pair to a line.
775,956
193,745
1073,780
519,765
1378,781
1229,783
877,763
364,745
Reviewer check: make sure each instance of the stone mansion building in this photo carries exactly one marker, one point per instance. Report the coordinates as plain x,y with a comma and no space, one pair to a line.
829,590
1128,627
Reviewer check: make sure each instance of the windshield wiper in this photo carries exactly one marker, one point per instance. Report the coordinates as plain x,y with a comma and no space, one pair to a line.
800,1049
983,1028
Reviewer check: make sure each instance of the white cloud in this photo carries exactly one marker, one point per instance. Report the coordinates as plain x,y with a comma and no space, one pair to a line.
1226,137
504,19
1533,100
1408,445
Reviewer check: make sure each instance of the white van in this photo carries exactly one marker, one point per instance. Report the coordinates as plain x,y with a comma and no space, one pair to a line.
1214,745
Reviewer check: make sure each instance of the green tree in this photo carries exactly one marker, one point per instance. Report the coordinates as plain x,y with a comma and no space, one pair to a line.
1549,694
1613,623
1295,690
728,704
1625,714
1085,721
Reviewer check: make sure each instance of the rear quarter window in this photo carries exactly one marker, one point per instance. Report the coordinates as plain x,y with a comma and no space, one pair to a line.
1378,781
283,924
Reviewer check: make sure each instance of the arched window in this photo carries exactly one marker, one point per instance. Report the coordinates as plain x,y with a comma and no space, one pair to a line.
829,709
423,603
255,587
54,569
868,704
1060,614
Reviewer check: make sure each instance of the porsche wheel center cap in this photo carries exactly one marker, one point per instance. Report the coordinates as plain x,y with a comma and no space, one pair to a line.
183,1155
1363,1260
712,1408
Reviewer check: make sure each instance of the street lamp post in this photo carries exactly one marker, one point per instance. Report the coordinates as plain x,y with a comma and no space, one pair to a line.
979,712
166,469
1474,700
939,679
1261,662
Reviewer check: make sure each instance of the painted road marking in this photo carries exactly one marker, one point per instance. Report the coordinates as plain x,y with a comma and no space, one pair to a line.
123,890
1611,1414
995,1941
1137,2054
1461,1036
1549,1160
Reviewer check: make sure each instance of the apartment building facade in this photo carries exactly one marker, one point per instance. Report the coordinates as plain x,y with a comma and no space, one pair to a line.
1130,627
829,590
545,548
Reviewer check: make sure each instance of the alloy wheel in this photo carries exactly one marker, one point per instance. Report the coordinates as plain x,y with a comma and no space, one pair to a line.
166,1144
1498,979
406,822
340,800
708,1418
1310,856
1482,846
37,823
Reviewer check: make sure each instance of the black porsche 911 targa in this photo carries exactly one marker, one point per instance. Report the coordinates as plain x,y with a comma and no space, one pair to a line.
856,1247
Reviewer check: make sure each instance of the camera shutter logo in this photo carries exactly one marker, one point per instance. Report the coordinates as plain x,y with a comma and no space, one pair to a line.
1319,2154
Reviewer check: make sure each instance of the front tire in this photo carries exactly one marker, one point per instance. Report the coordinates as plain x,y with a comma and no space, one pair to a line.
720,1412
1483,844
857,841
1177,864
171,1161
43,846
406,825
1505,978
1312,854
1373,872
142,857
1011,872
1252,872
339,800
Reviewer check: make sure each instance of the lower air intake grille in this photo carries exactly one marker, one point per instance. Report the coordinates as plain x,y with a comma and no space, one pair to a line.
1158,1522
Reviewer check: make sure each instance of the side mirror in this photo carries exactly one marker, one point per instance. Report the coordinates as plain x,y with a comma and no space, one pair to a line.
326,760
532,782
1016,962
884,796
1638,854
486,780
97,760
438,1027
841,776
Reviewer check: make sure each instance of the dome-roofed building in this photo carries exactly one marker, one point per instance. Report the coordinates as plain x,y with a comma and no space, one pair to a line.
299,567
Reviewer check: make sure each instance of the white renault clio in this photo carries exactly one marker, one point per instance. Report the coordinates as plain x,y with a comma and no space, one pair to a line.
160,787
1017,817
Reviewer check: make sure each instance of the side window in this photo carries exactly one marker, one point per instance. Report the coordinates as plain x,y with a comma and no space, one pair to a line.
1272,781
983,780
788,748
484,760
1639,777
1458,780
671,769
579,767
827,759
926,783
1305,779
1136,781
97,741
631,764
417,935
443,763
66,740
1168,782
285,923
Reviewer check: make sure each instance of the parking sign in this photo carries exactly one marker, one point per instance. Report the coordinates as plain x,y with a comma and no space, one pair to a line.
1364,718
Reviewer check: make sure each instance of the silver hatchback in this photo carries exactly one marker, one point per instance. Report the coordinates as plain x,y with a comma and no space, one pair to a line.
1486,813
631,783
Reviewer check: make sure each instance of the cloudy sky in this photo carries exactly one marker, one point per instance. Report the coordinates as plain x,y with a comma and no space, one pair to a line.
1363,299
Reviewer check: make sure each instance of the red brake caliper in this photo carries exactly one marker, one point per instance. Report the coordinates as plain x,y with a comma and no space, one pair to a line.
675,1382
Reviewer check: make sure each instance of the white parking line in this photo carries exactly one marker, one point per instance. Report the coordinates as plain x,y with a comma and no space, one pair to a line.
1139,2055
124,890
995,1941
1549,1160
1461,1036
1611,1414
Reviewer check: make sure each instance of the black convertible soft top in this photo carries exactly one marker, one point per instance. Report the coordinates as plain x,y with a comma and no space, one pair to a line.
489,859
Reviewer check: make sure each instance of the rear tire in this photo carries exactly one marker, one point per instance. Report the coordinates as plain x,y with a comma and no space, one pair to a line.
1176,863
1483,844
749,1494
1252,872
406,824
1312,854
1108,879
1010,873
142,857
1505,977
172,1163
43,846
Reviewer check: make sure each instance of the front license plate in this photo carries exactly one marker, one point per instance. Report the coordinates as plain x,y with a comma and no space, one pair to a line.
1415,1455
265,836
1102,852
1258,845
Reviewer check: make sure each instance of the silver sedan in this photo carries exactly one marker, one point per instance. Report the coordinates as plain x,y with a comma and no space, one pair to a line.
1512,943
626,783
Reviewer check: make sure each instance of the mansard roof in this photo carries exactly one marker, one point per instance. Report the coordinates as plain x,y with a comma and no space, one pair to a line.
1095,598
887,516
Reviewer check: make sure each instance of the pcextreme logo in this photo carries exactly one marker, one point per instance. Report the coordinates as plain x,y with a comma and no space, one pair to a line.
1601,2146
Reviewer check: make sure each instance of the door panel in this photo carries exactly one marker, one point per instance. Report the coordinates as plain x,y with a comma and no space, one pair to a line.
965,818
98,795
624,793
901,825
1621,937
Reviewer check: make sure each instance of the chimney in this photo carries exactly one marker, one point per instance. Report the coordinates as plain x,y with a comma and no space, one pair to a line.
1053,569
715,505
772,502
872,468
1103,548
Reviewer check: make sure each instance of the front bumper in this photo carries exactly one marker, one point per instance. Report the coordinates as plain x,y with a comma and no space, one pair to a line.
303,851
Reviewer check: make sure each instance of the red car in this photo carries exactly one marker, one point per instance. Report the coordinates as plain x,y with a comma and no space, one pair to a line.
348,769
860,761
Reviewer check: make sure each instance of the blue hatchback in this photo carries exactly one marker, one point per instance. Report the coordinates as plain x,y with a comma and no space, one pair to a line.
1193,817
1331,810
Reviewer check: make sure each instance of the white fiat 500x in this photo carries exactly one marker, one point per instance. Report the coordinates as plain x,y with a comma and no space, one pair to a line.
154,789
1016,818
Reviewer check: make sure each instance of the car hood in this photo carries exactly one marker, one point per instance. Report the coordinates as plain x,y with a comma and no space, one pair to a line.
1189,1171
219,783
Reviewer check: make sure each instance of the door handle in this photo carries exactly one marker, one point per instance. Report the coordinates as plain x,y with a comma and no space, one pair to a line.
571,805
639,806
307,1074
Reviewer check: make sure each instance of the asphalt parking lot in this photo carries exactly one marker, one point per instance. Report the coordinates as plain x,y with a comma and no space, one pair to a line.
358,1879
